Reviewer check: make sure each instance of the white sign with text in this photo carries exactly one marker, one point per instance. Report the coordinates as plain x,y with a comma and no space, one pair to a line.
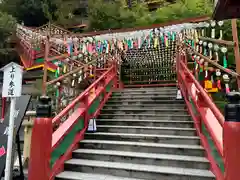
12,80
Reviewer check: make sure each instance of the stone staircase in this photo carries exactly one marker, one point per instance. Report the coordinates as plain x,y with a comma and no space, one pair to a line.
141,134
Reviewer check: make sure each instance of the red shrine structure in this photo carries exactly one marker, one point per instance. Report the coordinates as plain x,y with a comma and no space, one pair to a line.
156,102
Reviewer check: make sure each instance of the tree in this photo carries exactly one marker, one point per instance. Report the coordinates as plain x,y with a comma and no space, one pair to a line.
183,9
38,12
28,11
60,11
7,28
116,14
103,15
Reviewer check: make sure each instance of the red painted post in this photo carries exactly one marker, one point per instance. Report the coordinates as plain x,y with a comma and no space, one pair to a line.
115,73
41,143
86,103
185,58
231,134
178,66
33,56
4,100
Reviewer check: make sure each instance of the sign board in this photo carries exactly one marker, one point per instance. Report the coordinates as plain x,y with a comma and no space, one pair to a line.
12,80
21,107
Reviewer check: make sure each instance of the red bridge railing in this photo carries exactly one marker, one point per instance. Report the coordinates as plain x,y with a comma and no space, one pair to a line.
210,124
49,148
203,111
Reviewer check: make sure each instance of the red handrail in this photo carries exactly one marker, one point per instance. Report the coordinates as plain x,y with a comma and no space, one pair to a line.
80,106
209,105
57,118
207,99
190,87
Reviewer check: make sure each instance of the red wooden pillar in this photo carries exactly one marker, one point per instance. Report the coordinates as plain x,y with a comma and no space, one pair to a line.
86,104
33,57
4,100
115,80
41,143
231,134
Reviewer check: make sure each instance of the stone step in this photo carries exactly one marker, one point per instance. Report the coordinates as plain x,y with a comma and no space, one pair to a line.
162,116
150,95
143,158
148,89
71,175
143,112
147,130
147,93
176,149
142,105
137,170
151,123
144,101
148,110
144,97
154,138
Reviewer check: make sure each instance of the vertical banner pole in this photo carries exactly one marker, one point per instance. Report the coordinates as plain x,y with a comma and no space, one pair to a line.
8,170
12,88
3,108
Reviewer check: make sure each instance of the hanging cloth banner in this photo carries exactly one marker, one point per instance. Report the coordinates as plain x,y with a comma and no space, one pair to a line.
166,40
224,51
69,49
174,36
156,42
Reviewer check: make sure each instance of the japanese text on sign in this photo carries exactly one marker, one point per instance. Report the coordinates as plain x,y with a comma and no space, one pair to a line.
12,80
11,83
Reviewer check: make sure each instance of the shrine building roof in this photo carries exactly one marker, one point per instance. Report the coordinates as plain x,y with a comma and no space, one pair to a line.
226,9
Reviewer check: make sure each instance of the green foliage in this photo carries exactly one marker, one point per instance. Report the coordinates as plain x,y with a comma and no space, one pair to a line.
7,28
28,11
102,14
62,13
39,12
112,15
183,9
46,8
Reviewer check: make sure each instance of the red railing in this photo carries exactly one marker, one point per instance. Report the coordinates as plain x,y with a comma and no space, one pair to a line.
27,54
207,112
3,108
45,141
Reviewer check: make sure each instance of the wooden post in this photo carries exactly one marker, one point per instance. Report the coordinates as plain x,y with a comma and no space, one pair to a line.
4,101
236,48
86,103
45,75
28,125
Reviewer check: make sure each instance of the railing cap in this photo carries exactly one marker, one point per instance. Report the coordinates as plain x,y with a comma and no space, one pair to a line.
30,113
233,96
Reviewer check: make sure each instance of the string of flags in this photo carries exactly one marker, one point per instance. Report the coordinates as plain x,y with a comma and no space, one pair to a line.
105,43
